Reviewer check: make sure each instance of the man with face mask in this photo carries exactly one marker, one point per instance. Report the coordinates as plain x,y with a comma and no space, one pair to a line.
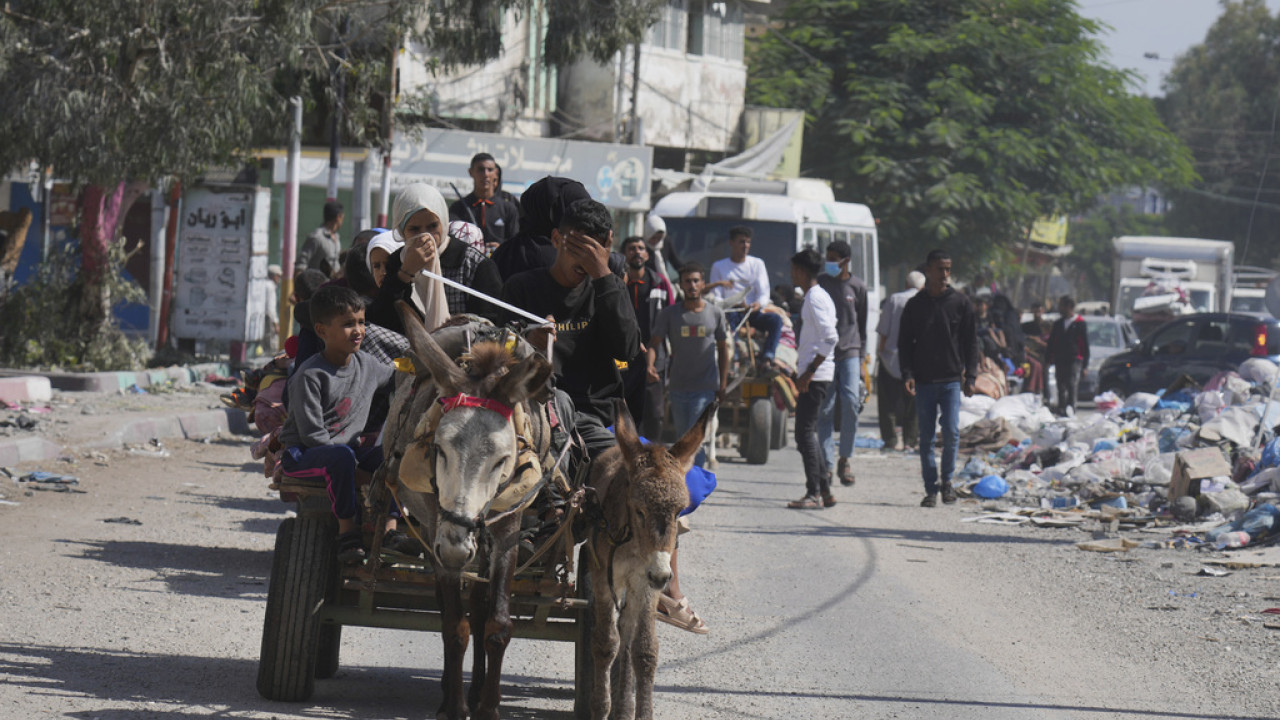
849,293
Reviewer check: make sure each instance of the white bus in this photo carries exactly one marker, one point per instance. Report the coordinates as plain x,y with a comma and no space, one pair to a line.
785,216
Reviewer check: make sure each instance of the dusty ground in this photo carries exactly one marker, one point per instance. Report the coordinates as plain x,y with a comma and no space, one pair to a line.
875,608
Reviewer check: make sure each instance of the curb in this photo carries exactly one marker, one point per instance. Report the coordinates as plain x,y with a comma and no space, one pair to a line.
122,380
191,426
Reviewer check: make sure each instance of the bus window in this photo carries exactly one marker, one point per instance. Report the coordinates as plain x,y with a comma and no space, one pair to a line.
824,239
857,261
808,238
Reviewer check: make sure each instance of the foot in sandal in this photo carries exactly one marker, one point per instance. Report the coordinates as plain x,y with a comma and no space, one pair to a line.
678,613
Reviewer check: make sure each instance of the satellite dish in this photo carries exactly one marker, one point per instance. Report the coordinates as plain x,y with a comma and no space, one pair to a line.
1272,298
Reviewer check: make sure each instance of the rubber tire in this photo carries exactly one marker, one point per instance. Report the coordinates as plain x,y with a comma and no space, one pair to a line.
300,573
778,429
584,661
753,445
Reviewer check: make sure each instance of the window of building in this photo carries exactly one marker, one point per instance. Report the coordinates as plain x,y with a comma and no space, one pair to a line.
716,29
671,30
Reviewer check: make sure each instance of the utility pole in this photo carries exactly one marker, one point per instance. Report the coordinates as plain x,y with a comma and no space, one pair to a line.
288,244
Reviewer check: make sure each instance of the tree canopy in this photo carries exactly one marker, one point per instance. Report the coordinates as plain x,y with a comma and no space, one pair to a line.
1222,98
961,121
137,89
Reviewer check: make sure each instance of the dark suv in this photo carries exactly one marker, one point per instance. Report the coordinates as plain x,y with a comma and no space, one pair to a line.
1200,345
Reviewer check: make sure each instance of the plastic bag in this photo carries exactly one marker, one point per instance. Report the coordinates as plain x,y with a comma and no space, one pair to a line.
1170,438
1106,401
1208,404
991,487
1158,469
1141,402
1258,370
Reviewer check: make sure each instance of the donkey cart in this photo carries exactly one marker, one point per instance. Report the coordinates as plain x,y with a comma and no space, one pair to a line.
312,596
751,412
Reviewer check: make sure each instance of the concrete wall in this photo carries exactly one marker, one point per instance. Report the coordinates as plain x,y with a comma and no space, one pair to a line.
685,101
514,92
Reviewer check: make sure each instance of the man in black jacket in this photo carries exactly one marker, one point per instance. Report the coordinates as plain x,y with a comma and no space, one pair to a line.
1068,350
938,354
594,323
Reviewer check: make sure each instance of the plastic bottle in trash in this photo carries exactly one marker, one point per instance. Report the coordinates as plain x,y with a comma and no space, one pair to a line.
1059,503
1237,539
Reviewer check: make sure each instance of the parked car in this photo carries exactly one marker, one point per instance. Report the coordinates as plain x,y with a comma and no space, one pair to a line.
1199,345
1107,336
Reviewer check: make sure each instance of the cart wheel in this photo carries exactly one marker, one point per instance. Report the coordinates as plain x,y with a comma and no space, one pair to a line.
584,663
300,574
754,444
778,429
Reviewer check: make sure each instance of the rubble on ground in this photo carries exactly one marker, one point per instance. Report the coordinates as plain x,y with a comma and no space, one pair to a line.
1201,465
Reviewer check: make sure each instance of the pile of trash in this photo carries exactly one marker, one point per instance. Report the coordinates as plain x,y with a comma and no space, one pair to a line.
1187,454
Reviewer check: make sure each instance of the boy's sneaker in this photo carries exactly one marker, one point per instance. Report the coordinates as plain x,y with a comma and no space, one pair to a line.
948,494
828,500
930,500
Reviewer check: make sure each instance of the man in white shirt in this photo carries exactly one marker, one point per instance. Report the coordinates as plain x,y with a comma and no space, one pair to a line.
815,348
738,272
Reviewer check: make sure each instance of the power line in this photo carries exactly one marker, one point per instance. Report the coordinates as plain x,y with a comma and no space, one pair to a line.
1248,235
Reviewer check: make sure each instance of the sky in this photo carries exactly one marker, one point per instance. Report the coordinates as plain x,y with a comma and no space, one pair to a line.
1164,27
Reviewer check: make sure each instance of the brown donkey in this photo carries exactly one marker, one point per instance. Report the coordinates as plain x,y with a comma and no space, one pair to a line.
641,491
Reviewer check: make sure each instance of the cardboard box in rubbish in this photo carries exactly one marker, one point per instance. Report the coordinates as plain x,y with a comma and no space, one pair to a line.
1192,466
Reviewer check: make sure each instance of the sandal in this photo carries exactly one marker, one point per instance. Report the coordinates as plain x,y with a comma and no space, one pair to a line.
351,548
808,502
678,613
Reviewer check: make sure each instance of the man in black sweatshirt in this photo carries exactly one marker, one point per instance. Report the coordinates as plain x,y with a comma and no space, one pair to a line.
594,321
938,353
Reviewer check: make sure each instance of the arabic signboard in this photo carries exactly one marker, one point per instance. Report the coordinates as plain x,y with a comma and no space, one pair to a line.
1050,231
616,175
220,283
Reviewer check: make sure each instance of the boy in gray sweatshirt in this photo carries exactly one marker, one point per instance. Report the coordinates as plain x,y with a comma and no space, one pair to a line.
329,399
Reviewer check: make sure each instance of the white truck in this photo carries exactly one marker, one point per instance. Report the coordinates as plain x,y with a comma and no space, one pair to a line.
1157,278
1249,288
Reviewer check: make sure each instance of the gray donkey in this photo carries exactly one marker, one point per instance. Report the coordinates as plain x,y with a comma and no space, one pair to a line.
641,491
466,444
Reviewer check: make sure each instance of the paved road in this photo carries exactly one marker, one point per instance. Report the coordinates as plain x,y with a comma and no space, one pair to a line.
873,609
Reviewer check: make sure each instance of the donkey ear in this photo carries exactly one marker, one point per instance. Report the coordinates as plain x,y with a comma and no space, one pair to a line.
625,430
523,380
686,448
447,375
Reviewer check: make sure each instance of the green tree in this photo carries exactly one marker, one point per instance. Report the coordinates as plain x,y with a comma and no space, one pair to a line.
960,121
1222,98
116,95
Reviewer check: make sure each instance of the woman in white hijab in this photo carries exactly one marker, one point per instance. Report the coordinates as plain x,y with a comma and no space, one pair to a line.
421,221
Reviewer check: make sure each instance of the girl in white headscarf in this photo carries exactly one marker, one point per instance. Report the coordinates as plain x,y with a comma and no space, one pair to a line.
377,254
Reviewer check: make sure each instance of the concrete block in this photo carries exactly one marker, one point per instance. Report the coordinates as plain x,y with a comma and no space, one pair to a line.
30,449
140,432
31,388
196,426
